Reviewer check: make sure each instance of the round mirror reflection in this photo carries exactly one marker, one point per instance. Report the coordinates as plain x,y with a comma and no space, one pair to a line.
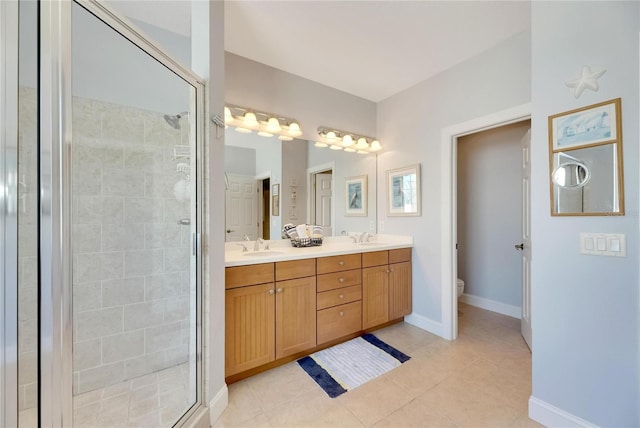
571,175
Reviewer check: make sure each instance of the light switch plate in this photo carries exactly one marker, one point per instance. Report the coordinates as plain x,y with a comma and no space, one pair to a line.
603,244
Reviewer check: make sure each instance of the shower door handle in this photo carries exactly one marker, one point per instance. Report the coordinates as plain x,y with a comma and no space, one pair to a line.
184,222
519,247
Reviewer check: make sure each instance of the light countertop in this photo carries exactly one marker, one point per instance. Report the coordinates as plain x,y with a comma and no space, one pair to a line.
281,250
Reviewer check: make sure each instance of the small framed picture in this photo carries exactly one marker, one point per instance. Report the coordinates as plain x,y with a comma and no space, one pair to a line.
275,205
403,191
275,189
356,196
586,126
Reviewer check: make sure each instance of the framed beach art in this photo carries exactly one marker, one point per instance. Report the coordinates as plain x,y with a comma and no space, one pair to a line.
356,196
586,126
403,191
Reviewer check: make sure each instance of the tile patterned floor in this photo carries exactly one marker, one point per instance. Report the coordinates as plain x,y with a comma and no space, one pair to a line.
154,400
483,379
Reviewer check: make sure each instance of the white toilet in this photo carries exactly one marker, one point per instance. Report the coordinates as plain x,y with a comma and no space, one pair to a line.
460,287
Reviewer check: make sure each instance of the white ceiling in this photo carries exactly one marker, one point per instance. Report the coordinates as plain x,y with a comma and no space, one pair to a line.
372,49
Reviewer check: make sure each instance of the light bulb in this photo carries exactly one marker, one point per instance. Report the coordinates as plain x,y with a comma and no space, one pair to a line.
331,137
320,144
335,147
294,129
349,149
250,120
362,143
227,115
243,130
375,146
273,125
264,134
285,138
347,140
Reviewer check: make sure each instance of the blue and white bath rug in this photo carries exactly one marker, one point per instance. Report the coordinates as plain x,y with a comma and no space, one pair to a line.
348,365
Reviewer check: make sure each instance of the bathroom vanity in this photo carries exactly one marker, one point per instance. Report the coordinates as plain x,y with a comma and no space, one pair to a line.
284,303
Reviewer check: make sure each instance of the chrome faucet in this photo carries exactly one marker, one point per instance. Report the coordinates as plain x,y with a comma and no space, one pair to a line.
256,246
244,247
355,240
246,237
364,237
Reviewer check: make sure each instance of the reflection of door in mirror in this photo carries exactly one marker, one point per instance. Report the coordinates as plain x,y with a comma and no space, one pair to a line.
241,207
323,201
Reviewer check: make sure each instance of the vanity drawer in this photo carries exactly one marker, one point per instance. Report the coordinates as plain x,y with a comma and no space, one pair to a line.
242,276
295,269
339,321
331,281
375,258
339,263
400,255
339,296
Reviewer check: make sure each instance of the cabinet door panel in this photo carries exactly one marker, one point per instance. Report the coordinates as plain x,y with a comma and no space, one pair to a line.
295,316
249,327
375,296
399,290
339,321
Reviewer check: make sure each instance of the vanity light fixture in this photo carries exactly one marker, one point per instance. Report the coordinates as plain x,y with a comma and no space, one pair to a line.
349,141
246,120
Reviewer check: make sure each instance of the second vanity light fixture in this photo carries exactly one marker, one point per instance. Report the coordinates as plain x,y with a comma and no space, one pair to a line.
247,120
347,141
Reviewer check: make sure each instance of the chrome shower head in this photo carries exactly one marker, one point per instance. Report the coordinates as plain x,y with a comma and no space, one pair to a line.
174,121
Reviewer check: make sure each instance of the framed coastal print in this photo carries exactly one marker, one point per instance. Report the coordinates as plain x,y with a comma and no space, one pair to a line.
586,126
403,191
356,196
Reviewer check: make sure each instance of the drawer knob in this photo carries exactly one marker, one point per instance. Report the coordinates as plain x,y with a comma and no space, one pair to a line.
340,279
341,262
271,291
341,313
341,296
280,290
388,271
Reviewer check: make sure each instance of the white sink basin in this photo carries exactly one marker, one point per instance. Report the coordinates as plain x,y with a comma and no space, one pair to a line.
265,253
373,243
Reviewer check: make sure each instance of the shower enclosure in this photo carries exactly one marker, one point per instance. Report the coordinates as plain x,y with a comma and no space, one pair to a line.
103,191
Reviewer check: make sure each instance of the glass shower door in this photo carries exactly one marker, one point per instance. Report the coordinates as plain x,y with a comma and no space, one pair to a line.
134,225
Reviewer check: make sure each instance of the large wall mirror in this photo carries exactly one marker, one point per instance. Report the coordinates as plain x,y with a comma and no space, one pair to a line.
270,183
586,161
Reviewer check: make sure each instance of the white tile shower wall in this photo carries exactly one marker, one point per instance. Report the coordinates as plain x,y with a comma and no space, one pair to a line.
131,259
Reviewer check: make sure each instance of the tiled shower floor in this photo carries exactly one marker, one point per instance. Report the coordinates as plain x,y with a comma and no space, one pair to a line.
154,400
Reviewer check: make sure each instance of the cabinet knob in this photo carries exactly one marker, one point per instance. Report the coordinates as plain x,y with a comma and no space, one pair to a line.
341,262
340,279
388,271
280,290
341,313
341,296
271,291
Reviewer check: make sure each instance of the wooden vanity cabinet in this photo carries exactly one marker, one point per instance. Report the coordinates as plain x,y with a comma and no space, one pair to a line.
339,296
268,321
386,286
249,317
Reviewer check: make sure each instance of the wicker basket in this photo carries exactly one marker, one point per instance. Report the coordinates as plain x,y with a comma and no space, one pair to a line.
306,242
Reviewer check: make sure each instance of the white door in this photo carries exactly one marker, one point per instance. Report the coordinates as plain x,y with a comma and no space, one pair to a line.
242,208
324,202
525,323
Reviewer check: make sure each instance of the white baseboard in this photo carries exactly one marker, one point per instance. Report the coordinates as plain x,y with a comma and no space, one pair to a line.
218,404
550,416
492,305
425,324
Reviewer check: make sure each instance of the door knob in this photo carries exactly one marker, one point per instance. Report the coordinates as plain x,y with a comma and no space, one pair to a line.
519,247
230,230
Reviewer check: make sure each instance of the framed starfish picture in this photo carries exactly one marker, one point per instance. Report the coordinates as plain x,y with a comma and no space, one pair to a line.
587,126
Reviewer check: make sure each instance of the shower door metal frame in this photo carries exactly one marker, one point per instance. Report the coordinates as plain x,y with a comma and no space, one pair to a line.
9,14
56,401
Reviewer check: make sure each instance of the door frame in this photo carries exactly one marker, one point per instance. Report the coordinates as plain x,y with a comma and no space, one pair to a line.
448,205
311,201
9,19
